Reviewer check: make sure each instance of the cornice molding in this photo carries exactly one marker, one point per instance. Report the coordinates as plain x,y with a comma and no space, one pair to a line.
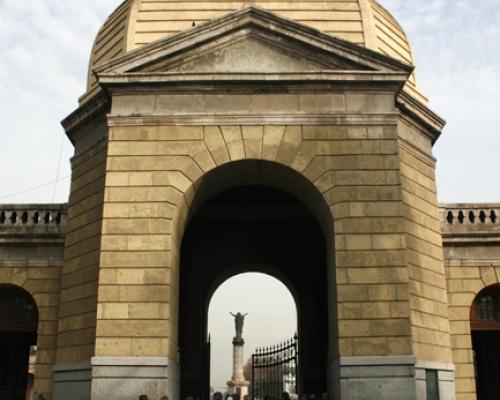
256,119
418,112
97,105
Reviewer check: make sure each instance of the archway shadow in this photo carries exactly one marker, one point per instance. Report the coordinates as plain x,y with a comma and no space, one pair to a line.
253,228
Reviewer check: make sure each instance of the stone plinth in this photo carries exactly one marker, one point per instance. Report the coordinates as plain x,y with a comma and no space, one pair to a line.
238,384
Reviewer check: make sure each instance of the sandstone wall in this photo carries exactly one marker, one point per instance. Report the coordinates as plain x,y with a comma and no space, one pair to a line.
31,258
472,259
78,310
427,288
153,174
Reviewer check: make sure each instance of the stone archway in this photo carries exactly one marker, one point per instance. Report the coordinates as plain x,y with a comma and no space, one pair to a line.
18,332
485,332
252,226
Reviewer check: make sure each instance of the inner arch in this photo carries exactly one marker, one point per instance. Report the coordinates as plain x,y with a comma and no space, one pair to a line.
272,318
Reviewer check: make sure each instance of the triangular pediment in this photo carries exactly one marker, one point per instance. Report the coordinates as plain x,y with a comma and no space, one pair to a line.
248,54
250,41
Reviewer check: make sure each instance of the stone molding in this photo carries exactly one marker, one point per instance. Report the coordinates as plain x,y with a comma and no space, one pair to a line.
92,108
181,81
418,112
418,153
252,120
377,360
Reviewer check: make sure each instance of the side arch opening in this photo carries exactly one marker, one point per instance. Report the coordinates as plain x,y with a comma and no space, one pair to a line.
485,332
18,338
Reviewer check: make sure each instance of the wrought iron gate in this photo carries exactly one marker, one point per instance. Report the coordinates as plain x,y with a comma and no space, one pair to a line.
275,370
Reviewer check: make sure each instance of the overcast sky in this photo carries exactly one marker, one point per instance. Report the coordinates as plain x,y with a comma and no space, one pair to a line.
44,51
45,46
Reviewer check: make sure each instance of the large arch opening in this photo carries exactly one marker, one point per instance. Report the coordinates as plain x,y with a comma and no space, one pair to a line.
485,331
254,227
271,319
18,338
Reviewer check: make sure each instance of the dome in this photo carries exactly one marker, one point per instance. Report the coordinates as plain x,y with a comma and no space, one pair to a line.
136,23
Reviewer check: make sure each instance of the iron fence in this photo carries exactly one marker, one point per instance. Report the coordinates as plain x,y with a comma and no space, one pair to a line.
275,370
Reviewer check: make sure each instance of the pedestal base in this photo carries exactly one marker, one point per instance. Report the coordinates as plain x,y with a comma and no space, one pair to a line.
387,377
72,381
238,387
117,378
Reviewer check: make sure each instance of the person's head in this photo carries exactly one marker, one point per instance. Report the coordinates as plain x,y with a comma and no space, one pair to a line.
285,396
217,396
143,397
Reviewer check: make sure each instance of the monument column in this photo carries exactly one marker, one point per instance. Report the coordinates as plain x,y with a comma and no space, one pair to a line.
238,384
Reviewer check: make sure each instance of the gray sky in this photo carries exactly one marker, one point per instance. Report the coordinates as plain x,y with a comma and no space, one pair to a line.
44,51
46,44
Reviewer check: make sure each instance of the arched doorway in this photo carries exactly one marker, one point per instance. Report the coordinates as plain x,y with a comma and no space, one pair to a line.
271,319
485,329
18,333
253,228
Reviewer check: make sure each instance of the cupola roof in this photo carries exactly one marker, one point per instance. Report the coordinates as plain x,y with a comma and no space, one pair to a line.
136,23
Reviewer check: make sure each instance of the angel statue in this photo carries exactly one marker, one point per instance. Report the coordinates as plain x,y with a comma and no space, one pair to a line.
239,319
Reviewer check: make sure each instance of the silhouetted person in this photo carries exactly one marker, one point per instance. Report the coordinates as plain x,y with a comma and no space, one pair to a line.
217,396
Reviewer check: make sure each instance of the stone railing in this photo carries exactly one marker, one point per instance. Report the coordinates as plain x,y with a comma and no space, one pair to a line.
470,222
473,214
33,220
